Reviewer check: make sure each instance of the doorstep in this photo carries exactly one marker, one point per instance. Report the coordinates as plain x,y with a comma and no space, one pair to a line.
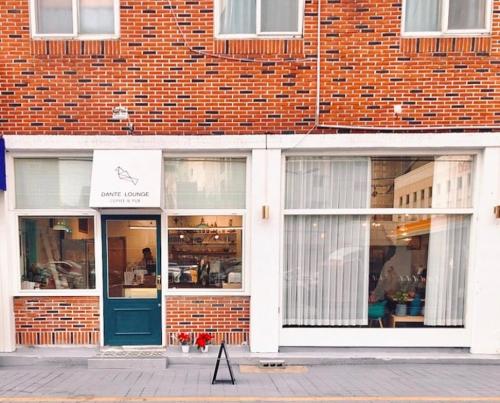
154,358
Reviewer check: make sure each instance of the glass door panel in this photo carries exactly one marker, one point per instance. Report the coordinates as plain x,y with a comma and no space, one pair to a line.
132,252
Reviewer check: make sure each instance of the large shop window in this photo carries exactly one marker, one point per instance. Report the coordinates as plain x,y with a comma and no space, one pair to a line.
57,253
75,18
56,246
437,17
205,250
349,263
256,18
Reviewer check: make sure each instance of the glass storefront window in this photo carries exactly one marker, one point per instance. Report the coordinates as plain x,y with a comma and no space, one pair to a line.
390,270
326,182
57,253
441,182
205,252
209,183
52,183
418,267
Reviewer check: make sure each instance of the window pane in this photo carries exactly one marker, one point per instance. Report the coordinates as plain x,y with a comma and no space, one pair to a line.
467,14
132,256
54,16
279,15
205,252
97,17
57,252
52,183
423,15
326,270
237,17
443,182
326,182
205,183
418,266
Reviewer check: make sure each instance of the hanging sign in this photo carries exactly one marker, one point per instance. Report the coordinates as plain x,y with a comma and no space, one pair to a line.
126,178
3,176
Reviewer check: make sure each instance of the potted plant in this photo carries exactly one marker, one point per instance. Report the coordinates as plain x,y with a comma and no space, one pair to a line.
401,298
184,339
202,342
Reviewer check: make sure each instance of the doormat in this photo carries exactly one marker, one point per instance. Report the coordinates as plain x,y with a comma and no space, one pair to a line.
131,354
288,369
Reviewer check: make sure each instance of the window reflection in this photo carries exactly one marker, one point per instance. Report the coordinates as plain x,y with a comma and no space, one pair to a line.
205,252
57,252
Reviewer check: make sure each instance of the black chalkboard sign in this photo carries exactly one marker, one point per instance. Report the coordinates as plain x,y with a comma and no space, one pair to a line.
228,362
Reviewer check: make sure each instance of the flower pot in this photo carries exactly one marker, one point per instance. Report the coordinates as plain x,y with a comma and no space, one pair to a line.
400,310
204,349
185,348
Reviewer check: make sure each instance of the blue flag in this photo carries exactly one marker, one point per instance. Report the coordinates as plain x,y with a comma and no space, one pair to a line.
3,178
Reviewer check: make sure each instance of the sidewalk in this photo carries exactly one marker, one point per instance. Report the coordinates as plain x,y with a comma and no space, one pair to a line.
191,383
80,356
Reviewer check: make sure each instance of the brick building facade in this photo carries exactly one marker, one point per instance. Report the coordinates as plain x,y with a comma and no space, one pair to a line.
365,94
175,78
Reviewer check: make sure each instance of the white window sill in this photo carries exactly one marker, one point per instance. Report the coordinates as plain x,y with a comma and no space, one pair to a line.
258,37
423,35
75,38
57,293
206,293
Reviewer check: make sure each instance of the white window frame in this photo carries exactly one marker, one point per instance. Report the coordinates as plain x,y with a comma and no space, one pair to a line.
389,337
445,32
258,32
244,290
75,34
16,214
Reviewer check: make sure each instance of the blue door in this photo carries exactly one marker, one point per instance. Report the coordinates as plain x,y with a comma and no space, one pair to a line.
132,280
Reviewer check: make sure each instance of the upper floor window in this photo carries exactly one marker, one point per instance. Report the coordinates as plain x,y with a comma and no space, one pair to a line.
75,18
446,17
258,18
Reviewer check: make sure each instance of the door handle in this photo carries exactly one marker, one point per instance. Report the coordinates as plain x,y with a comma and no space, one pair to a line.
158,282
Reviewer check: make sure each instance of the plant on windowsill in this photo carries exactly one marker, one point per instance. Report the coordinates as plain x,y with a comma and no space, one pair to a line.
184,339
202,342
401,298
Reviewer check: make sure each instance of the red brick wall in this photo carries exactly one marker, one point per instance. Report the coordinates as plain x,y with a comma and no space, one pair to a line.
225,318
70,87
57,320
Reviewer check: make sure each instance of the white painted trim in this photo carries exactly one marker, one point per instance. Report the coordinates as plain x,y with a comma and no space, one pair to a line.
445,32
75,35
258,33
367,143
388,337
245,232
371,337
378,211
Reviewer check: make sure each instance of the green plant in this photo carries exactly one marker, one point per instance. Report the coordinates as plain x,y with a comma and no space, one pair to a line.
401,297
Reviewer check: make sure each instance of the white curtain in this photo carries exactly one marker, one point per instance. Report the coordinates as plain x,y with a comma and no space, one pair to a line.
446,271
279,15
326,270
237,17
52,183
327,182
97,17
54,16
423,15
326,257
206,183
467,14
